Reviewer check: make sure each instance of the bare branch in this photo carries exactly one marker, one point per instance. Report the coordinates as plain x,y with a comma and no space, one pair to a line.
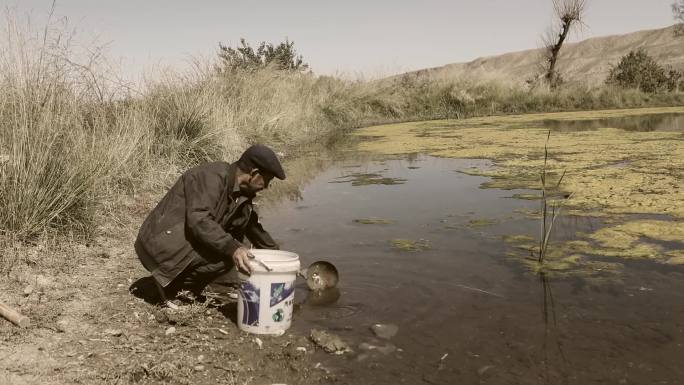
569,14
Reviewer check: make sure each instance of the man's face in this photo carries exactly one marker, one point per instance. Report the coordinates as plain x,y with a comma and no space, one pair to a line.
258,181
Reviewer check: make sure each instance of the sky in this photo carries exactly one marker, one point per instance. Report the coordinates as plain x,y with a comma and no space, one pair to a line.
370,38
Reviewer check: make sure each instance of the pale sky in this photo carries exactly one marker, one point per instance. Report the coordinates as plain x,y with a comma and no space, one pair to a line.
371,37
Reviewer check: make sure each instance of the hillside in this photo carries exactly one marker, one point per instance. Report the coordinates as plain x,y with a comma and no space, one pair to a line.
587,61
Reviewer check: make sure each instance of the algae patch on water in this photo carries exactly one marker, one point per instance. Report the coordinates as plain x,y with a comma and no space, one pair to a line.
365,179
637,239
373,221
481,222
611,173
561,259
410,245
648,181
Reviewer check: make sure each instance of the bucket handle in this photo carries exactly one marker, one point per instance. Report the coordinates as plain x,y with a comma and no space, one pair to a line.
262,263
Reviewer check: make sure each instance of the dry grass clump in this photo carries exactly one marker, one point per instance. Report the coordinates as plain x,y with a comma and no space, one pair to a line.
59,142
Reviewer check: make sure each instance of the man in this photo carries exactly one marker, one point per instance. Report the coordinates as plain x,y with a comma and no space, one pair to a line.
195,233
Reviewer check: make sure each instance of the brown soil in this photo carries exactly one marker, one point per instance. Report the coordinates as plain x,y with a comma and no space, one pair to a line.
87,328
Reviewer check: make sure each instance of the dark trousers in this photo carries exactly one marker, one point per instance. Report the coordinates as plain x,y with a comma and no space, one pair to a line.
199,273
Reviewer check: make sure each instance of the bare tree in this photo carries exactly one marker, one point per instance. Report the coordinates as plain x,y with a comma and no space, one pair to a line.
678,13
569,14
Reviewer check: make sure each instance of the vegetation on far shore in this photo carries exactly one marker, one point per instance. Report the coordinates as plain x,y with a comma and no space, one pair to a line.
77,145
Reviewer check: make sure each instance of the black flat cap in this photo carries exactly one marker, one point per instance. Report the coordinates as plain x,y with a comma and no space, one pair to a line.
263,158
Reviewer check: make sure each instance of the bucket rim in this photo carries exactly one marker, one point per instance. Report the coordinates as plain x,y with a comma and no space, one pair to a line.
275,256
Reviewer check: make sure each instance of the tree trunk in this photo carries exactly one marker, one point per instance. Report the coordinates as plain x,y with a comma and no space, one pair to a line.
551,75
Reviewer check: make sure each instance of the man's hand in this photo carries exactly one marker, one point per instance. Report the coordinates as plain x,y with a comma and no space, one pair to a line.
240,258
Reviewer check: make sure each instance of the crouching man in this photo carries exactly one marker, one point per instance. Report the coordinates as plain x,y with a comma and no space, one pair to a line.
195,233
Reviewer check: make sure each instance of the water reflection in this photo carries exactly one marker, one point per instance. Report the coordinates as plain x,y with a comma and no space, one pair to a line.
323,297
645,123
552,336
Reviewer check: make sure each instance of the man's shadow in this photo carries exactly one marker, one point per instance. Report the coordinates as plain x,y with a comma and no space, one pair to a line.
145,288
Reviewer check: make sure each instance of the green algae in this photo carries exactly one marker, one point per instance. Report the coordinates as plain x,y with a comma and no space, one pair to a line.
528,213
654,159
527,197
481,222
676,257
562,260
365,179
609,171
518,239
373,221
635,239
410,245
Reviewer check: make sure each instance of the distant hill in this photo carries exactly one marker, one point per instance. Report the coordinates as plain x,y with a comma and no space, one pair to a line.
587,61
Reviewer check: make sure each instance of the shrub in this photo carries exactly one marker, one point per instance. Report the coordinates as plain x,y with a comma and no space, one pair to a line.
282,57
640,71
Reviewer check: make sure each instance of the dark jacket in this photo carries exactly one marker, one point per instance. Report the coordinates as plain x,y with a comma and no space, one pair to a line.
203,211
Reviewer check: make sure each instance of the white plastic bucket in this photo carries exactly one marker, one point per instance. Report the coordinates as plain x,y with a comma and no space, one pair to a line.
265,298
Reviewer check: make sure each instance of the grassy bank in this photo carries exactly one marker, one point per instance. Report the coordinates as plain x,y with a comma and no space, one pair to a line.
76,144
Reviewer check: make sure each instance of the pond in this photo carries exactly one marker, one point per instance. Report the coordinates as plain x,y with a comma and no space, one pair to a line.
420,243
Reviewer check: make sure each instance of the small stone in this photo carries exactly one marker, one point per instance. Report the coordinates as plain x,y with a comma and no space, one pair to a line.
301,349
113,332
329,342
200,358
160,316
385,331
199,368
170,330
63,325
259,343
28,290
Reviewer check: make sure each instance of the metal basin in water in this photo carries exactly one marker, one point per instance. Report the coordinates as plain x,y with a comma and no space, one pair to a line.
321,275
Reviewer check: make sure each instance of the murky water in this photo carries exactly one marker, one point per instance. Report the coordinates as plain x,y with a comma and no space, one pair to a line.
467,313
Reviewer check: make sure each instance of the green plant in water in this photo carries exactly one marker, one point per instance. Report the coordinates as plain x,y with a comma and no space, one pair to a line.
365,179
482,222
373,221
410,244
547,219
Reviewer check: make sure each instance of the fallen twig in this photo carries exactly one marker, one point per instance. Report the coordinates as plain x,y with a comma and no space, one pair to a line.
14,316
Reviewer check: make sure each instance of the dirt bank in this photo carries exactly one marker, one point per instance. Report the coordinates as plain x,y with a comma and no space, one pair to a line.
88,329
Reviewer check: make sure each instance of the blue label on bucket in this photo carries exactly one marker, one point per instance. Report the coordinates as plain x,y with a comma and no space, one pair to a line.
250,304
280,292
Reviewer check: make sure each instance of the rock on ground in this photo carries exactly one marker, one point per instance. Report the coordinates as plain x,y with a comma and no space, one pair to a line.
329,342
